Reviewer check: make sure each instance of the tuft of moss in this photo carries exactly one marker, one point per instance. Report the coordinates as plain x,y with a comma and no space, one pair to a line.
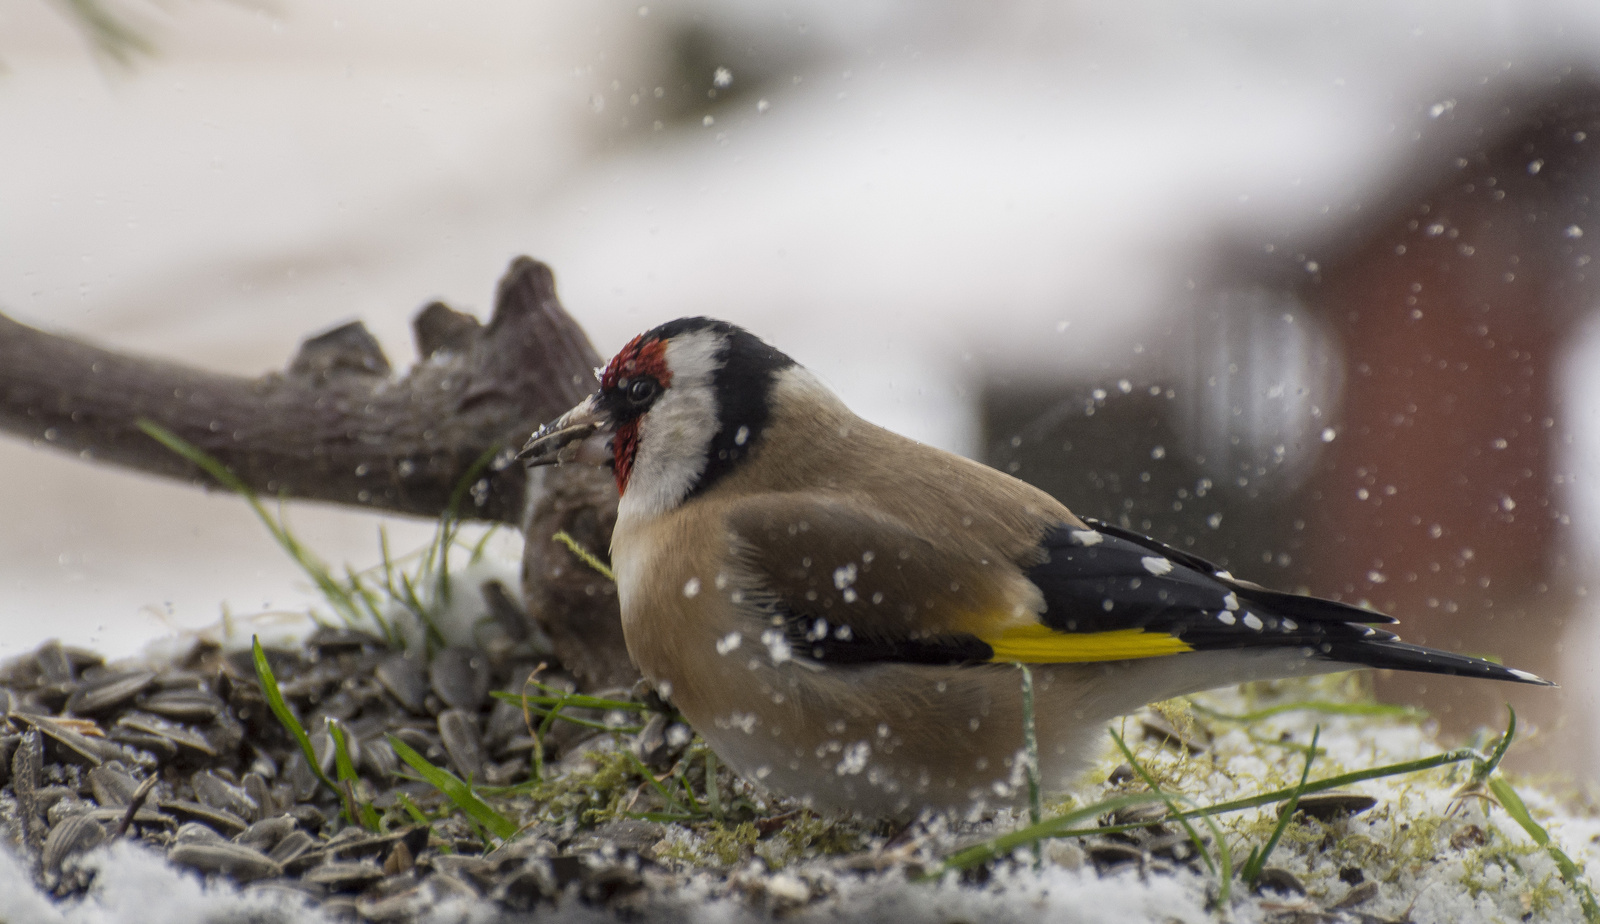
592,795
715,845
809,835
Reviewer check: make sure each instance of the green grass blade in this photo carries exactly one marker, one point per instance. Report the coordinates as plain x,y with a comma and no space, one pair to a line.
354,809
1030,747
1258,861
456,790
482,544
1062,825
1570,873
667,798
275,702
573,700
1319,706
107,33
437,559
1486,768
411,809
588,557
1005,844
1459,755
713,793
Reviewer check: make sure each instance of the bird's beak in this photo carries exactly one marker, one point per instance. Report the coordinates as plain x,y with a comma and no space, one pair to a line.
581,435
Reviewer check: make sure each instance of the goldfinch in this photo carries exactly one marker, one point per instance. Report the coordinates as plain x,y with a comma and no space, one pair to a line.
838,609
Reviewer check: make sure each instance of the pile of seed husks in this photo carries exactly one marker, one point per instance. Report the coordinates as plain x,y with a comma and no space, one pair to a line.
188,759
185,759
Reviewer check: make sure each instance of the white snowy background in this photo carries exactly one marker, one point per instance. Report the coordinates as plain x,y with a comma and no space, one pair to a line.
900,195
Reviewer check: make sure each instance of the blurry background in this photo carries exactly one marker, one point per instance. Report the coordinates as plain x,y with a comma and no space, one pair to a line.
1302,288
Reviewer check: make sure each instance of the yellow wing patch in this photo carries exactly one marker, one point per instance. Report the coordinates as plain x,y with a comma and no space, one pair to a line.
1040,644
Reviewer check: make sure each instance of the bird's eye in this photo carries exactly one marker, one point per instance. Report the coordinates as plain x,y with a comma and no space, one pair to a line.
642,390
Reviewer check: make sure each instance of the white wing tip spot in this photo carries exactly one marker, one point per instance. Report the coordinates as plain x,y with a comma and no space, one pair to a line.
1253,621
1087,537
1231,601
778,648
1226,618
1524,675
1289,625
1156,565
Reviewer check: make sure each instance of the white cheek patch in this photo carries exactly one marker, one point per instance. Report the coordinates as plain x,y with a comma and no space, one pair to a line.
675,434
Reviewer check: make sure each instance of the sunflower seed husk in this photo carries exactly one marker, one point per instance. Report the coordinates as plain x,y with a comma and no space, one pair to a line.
64,803
55,666
109,692
527,887
345,875
158,747
293,846
74,835
218,819
399,860
333,640
181,735
1276,879
293,892
458,731
261,794
112,785
406,680
193,832
1334,804
25,765
460,677
185,704
70,744
266,833
236,860
1107,854
145,816
1359,894
1149,813
378,758
218,793
406,905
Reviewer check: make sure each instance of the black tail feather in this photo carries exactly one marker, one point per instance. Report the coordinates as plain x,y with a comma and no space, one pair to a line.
1401,656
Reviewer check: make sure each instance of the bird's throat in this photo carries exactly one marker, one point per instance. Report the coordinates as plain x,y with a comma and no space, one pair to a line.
624,446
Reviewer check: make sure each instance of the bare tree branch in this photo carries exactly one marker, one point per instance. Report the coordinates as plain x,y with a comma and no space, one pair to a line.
335,426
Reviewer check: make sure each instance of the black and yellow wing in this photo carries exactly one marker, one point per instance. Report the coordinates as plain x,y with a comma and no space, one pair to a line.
848,585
